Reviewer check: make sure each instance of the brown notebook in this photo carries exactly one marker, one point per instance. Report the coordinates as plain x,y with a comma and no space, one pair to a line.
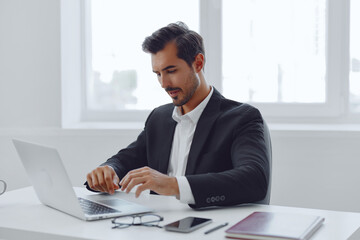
269,225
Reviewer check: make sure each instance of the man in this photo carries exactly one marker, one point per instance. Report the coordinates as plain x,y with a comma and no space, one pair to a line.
206,150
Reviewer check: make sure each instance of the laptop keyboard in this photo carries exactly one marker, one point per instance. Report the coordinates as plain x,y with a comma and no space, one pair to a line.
93,208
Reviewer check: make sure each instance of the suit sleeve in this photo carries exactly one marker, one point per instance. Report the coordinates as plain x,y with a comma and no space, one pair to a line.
247,182
129,158
132,157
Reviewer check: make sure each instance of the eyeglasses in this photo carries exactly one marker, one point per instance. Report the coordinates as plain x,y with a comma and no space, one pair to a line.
148,220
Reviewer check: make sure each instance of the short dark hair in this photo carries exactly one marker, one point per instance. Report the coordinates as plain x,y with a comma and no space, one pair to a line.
188,43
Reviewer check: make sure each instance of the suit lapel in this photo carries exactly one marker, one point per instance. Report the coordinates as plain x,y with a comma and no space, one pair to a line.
203,128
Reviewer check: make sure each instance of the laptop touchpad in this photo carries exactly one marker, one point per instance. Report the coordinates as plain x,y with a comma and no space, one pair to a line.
114,202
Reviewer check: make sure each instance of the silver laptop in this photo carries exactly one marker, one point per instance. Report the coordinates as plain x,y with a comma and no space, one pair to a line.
53,187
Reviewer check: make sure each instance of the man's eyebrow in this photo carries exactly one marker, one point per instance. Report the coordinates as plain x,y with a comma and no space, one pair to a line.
166,68
171,66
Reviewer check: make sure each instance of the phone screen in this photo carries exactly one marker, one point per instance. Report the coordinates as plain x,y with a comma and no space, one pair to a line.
188,224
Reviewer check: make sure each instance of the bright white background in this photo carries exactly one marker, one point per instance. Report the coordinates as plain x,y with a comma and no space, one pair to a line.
290,61
315,167
117,47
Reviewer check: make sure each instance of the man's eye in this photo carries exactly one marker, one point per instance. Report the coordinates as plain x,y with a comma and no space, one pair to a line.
171,71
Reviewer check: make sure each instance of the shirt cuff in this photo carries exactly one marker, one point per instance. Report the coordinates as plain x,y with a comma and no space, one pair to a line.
186,195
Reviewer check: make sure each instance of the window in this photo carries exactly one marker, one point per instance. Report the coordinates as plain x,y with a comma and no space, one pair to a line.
355,56
273,54
120,77
292,61
284,57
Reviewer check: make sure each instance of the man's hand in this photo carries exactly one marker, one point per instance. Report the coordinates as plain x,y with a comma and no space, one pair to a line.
151,179
103,179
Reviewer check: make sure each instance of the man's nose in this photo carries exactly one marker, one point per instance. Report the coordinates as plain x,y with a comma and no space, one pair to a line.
164,81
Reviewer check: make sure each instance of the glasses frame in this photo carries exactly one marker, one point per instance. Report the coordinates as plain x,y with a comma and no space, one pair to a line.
154,223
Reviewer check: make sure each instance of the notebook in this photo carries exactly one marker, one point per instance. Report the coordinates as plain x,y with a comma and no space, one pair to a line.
53,187
270,225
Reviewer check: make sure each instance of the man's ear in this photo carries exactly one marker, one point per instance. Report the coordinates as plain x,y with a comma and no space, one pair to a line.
199,62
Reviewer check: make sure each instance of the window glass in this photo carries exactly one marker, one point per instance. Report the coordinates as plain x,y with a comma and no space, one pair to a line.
274,51
121,76
355,56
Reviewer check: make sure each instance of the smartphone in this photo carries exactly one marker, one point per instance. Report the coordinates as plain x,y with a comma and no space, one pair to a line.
188,224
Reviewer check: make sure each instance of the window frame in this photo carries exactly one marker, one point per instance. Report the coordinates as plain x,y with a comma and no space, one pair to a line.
334,110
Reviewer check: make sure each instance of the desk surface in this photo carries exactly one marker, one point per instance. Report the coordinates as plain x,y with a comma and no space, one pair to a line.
22,216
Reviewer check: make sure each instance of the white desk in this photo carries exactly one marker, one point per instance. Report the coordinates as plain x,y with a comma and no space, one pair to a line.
22,216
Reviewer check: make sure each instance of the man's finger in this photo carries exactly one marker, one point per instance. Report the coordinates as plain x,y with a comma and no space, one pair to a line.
140,189
89,181
126,180
122,182
134,182
128,177
101,180
108,178
116,181
96,183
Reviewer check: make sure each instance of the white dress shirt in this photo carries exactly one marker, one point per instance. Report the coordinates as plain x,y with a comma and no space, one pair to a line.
183,136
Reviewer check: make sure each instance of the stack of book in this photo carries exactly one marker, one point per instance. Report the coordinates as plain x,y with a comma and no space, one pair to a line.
269,226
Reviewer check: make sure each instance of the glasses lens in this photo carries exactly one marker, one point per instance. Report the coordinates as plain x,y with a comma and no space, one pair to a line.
124,220
120,225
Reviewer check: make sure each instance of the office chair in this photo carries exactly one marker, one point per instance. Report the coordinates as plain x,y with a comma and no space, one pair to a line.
267,137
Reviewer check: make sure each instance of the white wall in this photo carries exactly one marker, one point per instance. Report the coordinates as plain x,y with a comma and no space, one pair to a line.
29,63
317,168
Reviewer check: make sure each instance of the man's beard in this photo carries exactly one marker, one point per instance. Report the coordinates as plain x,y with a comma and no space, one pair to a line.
190,93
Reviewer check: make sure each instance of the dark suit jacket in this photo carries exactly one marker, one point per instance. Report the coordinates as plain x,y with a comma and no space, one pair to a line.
227,163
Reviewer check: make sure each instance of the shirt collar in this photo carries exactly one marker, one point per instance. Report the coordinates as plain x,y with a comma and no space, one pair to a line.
195,114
